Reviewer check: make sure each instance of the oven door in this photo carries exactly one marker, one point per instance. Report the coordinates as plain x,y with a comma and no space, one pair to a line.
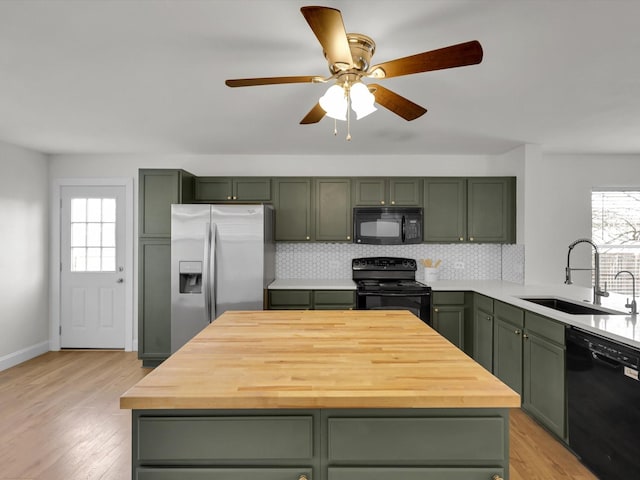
418,303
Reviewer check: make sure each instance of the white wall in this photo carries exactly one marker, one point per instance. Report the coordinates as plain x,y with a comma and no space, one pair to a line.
558,208
24,294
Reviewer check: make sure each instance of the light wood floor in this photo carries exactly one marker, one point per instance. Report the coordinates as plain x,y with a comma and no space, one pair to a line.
60,420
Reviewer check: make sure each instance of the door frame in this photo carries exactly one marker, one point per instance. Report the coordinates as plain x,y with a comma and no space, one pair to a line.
55,261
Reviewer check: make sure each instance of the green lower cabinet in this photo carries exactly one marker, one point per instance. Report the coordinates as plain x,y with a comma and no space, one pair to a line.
448,316
224,473
414,473
311,299
325,444
507,344
483,331
544,372
154,302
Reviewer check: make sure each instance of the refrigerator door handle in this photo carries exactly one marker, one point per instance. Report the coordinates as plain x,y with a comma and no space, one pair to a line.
212,272
207,273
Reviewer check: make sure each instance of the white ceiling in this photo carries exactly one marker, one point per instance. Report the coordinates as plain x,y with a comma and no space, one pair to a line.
147,76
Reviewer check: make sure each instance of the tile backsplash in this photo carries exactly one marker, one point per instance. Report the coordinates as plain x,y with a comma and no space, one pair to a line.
459,262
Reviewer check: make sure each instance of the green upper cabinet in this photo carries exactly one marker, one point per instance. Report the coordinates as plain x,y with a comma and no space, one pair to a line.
491,209
293,206
158,189
445,210
378,191
230,189
475,209
332,209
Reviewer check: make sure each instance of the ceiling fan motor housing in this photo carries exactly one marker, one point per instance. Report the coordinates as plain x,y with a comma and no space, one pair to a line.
362,49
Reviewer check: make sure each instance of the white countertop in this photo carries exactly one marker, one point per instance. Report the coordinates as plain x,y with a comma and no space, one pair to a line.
622,327
312,284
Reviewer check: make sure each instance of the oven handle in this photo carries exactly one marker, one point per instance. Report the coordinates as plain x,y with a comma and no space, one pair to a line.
388,294
403,229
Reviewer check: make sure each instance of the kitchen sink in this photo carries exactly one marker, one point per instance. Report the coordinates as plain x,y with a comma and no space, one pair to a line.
567,306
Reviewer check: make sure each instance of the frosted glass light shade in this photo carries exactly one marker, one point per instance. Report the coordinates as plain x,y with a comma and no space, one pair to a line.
362,100
334,103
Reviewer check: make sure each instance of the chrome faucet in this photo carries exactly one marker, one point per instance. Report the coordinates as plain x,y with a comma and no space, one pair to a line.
597,292
632,305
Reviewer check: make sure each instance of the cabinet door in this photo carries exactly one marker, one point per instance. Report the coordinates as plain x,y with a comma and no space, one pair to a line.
414,473
544,382
252,189
158,189
290,300
448,321
445,207
292,203
334,299
483,338
370,191
404,191
224,473
507,353
154,301
214,189
490,211
333,209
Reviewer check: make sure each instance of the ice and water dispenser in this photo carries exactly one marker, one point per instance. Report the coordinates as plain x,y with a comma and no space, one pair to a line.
190,277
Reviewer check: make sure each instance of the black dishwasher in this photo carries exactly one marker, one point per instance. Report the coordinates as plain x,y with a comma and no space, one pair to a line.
603,405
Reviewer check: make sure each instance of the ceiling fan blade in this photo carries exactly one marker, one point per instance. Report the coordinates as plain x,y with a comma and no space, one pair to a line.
250,82
396,103
469,53
328,27
316,114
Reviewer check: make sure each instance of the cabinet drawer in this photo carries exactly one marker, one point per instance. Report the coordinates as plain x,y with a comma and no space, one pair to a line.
413,473
398,440
222,473
448,298
185,439
483,303
333,297
509,313
290,298
545,327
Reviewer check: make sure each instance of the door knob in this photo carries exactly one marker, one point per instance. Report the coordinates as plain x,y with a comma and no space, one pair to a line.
120,280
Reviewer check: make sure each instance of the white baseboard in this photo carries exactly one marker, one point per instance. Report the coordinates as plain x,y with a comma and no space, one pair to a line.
15,358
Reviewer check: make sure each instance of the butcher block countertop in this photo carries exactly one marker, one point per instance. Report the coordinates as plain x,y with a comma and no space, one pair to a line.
319,359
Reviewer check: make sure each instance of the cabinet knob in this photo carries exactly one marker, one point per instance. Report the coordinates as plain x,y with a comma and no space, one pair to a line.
393,202
235,198
229,198
304,477
435,310
471,239
488,318
348,237
497,477
517,332
525,336
381,202
462,239
308,237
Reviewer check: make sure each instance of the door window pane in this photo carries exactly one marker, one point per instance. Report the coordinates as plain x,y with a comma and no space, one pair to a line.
93,234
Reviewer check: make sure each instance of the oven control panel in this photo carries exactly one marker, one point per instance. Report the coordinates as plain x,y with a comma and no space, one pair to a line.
384,263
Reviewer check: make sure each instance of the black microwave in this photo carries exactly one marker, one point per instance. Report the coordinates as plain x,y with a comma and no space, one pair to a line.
387,225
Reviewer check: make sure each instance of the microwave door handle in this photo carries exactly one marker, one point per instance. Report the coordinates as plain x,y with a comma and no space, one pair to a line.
403,229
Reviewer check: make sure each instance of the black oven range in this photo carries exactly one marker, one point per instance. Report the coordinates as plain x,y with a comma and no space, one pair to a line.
389,283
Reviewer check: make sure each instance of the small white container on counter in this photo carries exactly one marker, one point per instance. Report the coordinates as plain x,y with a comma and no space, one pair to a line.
431,274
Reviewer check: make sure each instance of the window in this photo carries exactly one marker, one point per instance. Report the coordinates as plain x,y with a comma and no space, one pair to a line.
616,231
93,234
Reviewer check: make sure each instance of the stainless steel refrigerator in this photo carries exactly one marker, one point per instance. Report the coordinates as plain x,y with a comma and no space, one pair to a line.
222,258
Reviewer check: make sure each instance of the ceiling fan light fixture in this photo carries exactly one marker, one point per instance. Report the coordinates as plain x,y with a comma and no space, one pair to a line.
334,102
362,100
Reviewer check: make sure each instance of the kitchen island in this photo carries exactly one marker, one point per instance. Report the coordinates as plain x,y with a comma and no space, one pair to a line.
333,395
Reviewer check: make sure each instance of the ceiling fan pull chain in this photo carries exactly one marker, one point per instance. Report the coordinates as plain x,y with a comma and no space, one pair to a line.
335,126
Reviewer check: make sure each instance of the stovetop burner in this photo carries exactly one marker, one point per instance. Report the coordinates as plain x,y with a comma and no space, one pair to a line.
386,274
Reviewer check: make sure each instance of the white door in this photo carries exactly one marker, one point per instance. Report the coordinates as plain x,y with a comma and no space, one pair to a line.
92,244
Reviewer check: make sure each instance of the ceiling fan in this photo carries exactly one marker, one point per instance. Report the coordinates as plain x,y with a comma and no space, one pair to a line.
349,58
